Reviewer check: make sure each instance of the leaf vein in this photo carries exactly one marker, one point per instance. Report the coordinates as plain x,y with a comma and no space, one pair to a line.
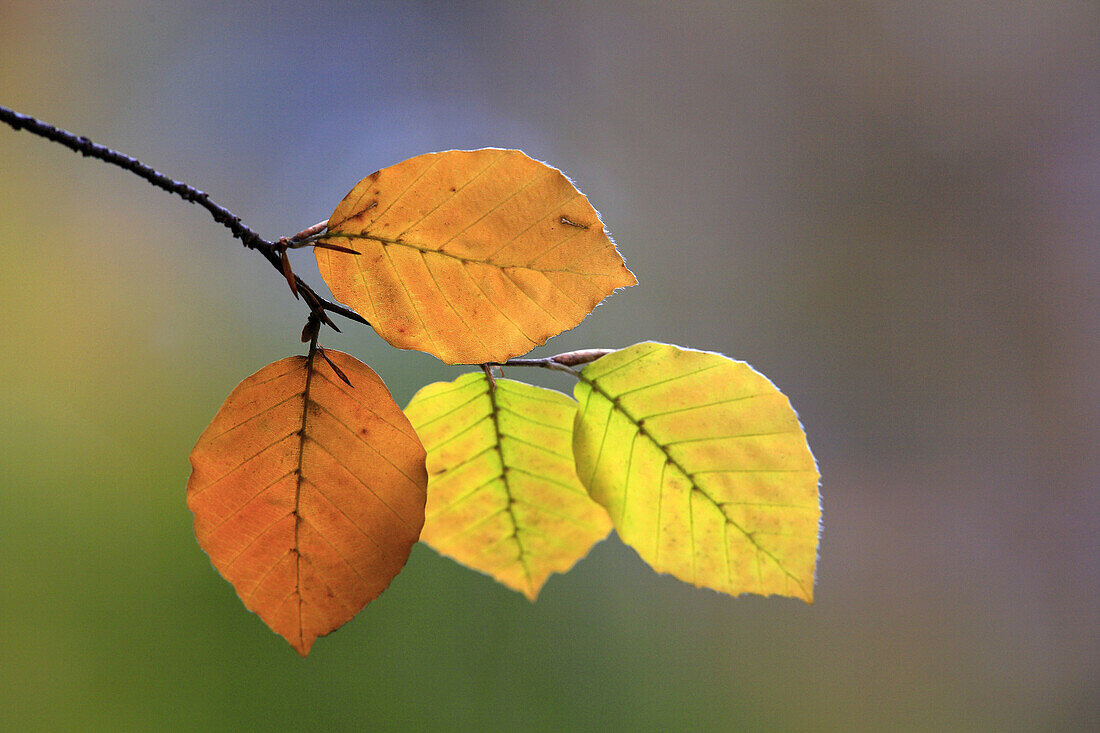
347,516
193,495
496,206
238,510
362,483
412,302
492,302
250,418
358,438
264,577
450,303
405,190
459,433
460,499
253,541
335,550
660,382
453,195
548,212
320,576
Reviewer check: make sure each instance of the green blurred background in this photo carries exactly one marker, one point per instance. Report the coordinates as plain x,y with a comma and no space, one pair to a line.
889,209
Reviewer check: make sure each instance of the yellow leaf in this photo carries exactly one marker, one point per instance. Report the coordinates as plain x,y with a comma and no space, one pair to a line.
503,496
703,467
308,494
471,255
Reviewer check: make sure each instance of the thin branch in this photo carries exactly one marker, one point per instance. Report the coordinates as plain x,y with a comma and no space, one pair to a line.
249,238
560,362
547,363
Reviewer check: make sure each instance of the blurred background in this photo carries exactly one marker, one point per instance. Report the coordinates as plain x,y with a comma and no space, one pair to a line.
889,209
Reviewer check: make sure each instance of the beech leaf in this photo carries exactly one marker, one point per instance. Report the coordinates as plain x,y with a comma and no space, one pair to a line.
308,494
471,255
503,496
703,467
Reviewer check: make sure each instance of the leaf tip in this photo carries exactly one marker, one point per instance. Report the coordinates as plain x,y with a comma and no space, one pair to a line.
632,279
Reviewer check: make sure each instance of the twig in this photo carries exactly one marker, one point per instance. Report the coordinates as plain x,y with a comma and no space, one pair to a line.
559,363
221,215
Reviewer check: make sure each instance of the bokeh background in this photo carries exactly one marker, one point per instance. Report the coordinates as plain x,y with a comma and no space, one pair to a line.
891,209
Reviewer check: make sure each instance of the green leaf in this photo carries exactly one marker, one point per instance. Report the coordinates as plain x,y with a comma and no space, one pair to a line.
703,467
503,496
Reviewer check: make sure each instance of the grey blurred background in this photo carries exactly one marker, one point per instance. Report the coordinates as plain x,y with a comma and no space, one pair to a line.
891,209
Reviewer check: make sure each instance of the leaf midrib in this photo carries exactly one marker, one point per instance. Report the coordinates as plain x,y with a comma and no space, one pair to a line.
494,409
424,249
614,402
298,487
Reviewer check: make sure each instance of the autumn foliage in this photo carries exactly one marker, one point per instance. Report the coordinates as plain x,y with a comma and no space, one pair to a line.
703,467
310,486
308,493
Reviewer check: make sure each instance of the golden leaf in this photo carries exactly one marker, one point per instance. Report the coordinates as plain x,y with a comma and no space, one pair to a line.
473,256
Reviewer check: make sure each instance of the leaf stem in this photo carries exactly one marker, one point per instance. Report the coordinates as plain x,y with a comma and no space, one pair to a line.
225,217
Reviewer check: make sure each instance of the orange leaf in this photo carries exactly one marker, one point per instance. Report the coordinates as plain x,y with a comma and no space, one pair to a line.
471,255
308,494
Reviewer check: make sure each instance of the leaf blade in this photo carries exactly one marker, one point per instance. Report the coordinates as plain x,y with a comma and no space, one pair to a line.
473,256
703,468
308,538
503,497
